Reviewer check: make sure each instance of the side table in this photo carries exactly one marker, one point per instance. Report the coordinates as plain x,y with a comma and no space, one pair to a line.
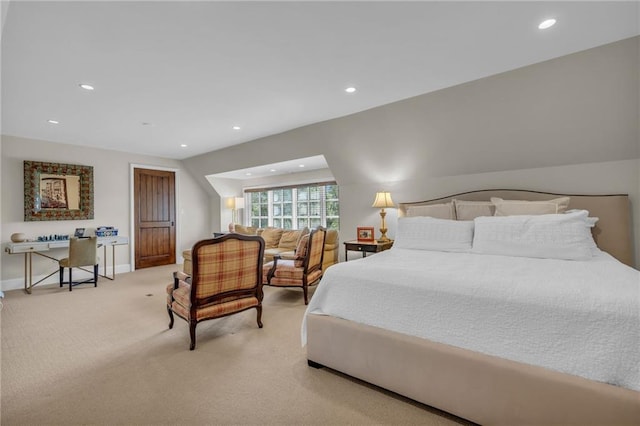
365,247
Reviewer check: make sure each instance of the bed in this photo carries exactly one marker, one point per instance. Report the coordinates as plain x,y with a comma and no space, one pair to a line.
591,375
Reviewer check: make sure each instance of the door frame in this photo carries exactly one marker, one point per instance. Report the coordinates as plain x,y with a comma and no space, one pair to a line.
132,238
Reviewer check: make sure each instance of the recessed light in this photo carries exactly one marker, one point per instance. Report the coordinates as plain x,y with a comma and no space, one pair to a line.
53,122
86,86
301,165
272,170
183,145
548,23
247,174
350,89
236,127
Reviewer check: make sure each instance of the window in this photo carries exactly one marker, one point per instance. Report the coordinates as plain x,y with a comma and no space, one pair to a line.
295,207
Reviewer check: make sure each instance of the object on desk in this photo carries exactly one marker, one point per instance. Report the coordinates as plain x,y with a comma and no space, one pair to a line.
106,231
18,237
82,252
79,233
56,237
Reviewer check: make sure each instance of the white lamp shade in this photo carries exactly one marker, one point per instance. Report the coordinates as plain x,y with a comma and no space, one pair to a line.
383,199
230,203
239,203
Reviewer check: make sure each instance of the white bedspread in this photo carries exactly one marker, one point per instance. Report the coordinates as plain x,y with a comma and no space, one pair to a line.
577,317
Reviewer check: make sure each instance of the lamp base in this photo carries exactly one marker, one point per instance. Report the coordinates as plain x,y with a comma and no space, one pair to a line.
383,238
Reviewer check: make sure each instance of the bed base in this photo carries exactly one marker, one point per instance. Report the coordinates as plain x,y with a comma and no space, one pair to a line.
477,387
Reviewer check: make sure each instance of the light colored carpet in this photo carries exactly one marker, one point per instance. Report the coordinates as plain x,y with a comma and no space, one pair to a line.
106,356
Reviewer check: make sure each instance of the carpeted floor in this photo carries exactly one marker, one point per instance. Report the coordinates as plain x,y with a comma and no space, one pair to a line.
106,356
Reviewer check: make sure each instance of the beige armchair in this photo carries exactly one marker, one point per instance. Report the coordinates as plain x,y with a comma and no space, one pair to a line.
304,270
82,252
226,279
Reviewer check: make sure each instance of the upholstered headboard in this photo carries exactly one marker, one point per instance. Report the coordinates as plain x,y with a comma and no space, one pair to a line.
612,232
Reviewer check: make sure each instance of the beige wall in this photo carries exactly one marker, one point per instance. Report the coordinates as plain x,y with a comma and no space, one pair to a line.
565,125
111,200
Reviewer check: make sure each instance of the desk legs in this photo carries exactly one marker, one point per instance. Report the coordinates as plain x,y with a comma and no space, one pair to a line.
113,262
28,270
27,261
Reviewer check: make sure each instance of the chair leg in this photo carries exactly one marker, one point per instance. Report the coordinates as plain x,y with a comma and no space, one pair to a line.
70,279
170,312
305,291
95,275
259,309
61,275
192,333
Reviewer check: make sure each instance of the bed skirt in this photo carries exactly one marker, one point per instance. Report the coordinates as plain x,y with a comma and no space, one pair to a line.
477,387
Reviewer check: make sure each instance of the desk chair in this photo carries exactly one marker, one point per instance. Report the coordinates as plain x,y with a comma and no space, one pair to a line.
82,252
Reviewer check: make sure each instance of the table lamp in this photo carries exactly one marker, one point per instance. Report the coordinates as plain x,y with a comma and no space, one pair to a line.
383,200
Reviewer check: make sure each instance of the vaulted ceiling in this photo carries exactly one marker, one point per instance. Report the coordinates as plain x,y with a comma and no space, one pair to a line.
167,74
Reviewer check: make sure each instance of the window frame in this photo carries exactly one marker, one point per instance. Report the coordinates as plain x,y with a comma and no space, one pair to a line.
280,220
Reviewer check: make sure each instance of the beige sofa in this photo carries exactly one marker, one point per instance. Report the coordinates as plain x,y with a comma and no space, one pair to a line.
280,241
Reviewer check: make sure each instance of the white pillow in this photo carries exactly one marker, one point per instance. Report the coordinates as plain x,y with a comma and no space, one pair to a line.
440,211
521,207
553,236
428,233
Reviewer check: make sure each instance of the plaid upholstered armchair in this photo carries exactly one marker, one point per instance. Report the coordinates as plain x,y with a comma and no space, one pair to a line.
226,279
302,271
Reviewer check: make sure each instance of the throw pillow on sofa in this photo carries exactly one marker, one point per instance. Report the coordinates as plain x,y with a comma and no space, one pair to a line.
271,237
289,239
241,229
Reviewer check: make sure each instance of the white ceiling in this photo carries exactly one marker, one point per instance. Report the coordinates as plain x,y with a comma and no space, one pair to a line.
192,70
299,165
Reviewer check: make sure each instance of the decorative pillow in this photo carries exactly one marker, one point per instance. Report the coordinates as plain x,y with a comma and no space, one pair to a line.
271,237
469,210
247,230
518,207
301,251
428,233
552,236
440,211
289,239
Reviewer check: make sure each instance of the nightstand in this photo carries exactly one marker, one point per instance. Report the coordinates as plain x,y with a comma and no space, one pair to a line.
365,247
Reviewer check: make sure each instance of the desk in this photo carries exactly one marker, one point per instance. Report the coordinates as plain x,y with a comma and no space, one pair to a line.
365,247
30,248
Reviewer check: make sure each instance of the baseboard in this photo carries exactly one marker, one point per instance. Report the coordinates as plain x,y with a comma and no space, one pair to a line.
18,283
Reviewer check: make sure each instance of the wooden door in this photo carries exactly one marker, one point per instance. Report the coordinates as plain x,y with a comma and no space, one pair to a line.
155,213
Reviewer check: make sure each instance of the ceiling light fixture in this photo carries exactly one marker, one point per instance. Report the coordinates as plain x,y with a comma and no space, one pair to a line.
301,165
53,122
272,170
183,145
236,127
247,174
86,86
548,23
350,89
